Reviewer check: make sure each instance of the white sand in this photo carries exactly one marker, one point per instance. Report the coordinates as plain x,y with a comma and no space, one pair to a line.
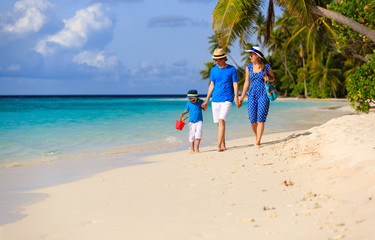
237,194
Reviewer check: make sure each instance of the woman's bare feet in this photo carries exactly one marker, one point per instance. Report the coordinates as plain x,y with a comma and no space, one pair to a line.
223,147
220,149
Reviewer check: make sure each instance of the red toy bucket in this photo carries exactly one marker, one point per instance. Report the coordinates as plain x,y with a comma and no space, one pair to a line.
180,123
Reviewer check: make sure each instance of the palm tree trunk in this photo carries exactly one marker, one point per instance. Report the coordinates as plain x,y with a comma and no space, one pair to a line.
334,92
304,78
234,62
345,20
360,57
287,70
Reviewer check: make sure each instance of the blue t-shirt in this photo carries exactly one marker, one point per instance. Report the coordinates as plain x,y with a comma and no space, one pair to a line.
223,79
195,111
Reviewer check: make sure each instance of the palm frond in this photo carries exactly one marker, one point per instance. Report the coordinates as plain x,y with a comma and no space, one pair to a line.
303,9
234,18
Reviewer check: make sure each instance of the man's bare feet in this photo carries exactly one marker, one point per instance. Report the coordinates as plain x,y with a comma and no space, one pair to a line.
197,150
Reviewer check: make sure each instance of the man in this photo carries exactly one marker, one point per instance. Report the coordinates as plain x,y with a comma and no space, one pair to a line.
224,89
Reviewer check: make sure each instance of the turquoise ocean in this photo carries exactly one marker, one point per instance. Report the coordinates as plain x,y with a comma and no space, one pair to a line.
36,130
50,140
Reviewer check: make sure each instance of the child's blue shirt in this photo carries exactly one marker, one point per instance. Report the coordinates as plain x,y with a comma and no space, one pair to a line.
195,111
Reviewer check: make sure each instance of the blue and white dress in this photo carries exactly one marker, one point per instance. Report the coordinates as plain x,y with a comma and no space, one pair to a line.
258,103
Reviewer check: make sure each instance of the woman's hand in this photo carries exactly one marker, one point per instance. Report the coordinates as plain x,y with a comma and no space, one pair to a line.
237,102
267,78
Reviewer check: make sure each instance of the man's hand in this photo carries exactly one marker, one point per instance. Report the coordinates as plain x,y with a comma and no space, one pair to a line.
237,102
204,105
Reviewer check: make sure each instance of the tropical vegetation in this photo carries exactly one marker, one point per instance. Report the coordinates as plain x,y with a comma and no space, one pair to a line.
317,48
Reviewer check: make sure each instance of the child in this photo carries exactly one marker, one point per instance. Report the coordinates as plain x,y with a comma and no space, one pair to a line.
193,107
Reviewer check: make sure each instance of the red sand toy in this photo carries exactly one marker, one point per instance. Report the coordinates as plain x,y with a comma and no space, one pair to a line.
180,123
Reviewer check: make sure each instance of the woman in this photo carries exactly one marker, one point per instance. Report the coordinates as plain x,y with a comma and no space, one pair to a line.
257,72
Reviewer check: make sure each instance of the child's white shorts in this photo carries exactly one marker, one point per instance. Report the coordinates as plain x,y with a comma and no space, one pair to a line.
195,131
220,110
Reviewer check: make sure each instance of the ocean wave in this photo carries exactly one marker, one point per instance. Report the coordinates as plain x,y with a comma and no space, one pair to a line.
96,152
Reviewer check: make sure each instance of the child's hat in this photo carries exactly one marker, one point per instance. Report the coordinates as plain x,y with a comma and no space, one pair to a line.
192,93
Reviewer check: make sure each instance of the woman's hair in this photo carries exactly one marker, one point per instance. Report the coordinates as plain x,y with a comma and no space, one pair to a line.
264,62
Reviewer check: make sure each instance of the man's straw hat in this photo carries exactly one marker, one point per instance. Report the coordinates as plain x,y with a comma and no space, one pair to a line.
219,53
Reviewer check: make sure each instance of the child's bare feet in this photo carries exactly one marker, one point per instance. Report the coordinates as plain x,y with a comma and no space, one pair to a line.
197,150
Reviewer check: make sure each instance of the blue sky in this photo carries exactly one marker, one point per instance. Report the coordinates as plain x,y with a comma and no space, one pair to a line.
104,46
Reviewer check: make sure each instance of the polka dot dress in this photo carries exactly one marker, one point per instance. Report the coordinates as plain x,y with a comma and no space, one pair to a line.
258,102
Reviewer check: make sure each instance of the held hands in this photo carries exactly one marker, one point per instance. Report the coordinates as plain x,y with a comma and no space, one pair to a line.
240,102
204,105
237,102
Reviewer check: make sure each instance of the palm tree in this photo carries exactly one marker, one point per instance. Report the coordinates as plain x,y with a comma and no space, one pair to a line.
232,18
260,24
277,44
324,74
303,74
206,72
215,42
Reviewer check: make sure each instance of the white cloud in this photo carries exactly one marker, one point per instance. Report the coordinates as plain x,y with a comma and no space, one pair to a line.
146,69
76,30
14,68
11,68
175,21
30,16
99,60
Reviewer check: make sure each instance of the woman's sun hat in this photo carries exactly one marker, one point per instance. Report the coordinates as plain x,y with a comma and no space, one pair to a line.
192,94
257,51
219,53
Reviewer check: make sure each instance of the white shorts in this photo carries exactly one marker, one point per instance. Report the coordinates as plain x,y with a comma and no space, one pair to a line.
195,131
220,110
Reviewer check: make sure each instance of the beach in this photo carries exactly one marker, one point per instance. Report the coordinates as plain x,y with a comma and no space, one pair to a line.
316,183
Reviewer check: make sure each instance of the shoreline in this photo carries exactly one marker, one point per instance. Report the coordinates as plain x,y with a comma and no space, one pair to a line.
315,184
50,154
17,181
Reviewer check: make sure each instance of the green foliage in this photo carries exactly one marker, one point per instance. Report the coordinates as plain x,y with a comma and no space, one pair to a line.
206,72
310,55
298,89
348,41
361,87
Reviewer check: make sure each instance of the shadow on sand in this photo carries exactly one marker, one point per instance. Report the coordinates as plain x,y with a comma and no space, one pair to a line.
292,136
